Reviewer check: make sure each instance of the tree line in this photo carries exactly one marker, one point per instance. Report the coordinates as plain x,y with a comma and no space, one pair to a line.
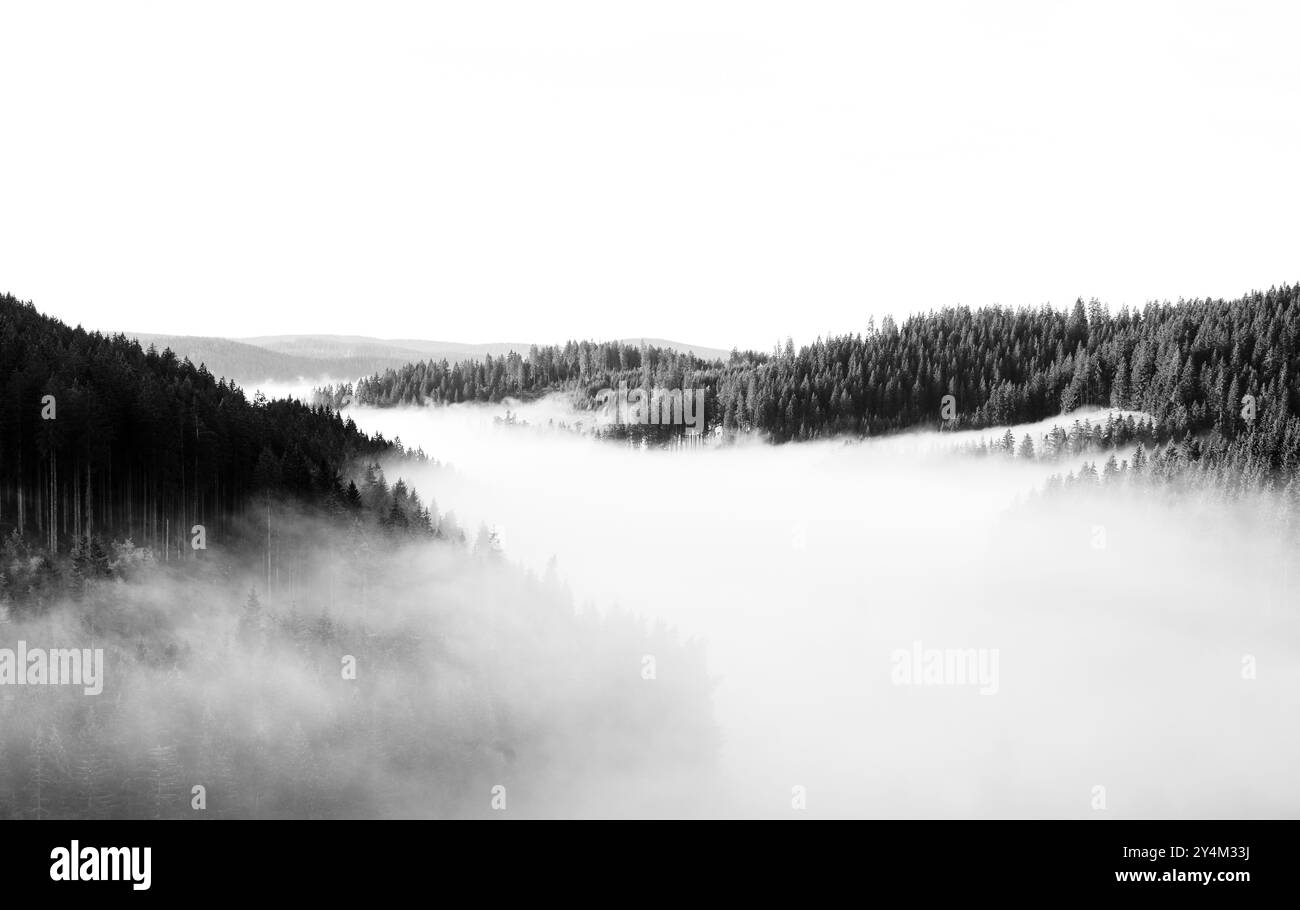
1224,368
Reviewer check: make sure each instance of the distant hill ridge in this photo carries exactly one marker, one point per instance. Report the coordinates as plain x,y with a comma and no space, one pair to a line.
288,358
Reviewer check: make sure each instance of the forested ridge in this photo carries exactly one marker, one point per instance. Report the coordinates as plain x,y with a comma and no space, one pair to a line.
101,438
1188,365
229,671
583,365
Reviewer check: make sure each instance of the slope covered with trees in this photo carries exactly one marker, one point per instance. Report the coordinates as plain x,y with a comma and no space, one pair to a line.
337,649
102,438
577,365
1189,365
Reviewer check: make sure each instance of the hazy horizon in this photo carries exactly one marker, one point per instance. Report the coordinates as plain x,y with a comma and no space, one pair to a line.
587,170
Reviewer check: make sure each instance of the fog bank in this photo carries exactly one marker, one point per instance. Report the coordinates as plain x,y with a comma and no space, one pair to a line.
1143,645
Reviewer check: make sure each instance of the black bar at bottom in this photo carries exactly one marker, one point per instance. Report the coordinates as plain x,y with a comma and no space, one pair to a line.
333,859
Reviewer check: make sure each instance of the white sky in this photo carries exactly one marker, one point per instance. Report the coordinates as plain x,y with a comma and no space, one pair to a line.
714,172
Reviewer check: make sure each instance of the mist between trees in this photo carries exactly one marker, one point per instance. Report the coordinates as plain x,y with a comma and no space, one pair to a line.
1190,366
469,674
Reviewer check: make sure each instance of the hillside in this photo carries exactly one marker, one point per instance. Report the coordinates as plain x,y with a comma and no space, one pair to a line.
100,437
294,358
276,618
1225,372
249,364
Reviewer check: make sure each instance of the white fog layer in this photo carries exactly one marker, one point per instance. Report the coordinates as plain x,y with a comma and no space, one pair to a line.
1136,650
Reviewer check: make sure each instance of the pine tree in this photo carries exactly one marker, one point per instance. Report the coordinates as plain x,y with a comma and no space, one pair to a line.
1008,443
1140,460
252,621
1111,469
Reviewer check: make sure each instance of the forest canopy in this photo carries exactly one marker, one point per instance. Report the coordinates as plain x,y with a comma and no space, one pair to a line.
1225,370
101,437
